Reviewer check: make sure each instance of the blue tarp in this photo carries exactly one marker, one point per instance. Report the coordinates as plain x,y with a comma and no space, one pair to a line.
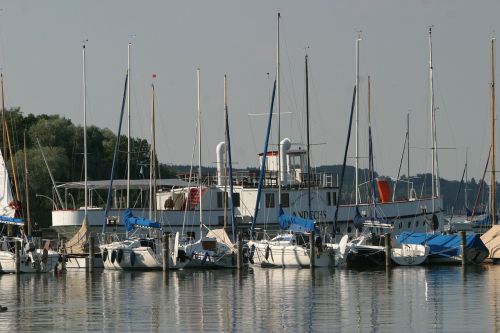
442,245
296,224
11,220
131,222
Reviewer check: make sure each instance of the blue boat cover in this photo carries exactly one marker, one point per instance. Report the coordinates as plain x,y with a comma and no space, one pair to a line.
131,222
442,245
11,220
296,224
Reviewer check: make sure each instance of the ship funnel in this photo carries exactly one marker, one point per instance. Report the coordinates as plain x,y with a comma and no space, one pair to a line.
285,145
220,150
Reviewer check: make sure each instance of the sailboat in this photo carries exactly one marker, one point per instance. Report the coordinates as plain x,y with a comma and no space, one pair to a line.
214,249
444,248
18,253
296,244
142,249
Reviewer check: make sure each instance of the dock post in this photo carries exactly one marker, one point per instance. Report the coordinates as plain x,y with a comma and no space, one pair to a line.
18,256
463,247
91,254
388,250
239,261
166,253
312,248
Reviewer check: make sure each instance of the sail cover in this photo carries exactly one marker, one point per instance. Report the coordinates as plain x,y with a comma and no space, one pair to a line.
296,224
7,210
131,222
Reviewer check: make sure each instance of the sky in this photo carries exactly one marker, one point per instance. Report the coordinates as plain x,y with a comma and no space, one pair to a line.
41,58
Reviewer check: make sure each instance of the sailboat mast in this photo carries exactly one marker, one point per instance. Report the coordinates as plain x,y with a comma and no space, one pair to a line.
28,217
408,153
492,105
225,152
199,150
278,100
466,177
308,141
356,120
153,154
128,125
85,134
433,110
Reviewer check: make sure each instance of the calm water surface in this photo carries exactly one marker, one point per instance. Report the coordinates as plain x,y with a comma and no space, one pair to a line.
405,299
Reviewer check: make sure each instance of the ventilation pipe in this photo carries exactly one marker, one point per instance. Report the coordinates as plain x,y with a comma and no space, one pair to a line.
285,145
220,150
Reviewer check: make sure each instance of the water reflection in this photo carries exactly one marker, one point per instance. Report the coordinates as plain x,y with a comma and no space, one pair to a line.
415,299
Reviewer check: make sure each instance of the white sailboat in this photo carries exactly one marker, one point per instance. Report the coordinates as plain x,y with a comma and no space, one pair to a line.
294,246
143,248
215,249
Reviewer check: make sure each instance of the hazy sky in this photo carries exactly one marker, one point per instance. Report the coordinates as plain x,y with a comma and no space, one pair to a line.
41,56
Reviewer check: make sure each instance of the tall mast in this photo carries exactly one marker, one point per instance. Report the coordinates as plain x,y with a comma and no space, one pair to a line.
128,125
278,83
356,186
492,105
308,141
28,217
433,125
466,177
225,151
152,166
408,152
199,151
85,134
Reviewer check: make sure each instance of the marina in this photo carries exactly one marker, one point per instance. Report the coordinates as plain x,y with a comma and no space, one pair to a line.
437,299
249,168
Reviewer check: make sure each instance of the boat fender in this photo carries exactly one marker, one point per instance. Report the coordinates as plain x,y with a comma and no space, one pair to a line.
132,258
251,253
233,258
119,256
268,251
45,256
113,256
205,257
104,255
435,222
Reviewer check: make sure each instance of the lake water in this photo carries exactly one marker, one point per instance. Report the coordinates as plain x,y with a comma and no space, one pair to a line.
404,299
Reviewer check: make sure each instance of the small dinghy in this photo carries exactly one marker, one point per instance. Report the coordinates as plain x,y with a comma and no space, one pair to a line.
409,254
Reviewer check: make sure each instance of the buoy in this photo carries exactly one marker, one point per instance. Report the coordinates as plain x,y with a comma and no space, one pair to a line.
119,256
268,250
113,256
251,253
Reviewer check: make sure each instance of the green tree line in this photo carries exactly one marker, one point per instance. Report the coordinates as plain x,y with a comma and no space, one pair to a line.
62,144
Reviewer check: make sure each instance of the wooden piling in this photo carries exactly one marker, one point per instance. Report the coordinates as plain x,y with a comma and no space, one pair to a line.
91,254
166,253
17,247
463,247
312,248
387,249
239,261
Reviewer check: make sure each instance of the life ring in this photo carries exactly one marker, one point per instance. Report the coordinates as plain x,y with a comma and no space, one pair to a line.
132,258
119,256
104,255
113,256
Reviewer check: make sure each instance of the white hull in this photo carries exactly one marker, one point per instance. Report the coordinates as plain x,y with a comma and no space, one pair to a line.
27,263
410,254
276,255
83,262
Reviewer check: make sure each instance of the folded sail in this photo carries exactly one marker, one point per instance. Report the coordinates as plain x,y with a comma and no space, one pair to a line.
131,222
296,224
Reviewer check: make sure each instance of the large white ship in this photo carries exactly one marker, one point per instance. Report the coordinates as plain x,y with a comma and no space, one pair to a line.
178,201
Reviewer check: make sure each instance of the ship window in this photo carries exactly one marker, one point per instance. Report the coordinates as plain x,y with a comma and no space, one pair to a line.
349,230
220,200
285,200
400,225
190,235
416,224
409,225
236,199
269,200
328,198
